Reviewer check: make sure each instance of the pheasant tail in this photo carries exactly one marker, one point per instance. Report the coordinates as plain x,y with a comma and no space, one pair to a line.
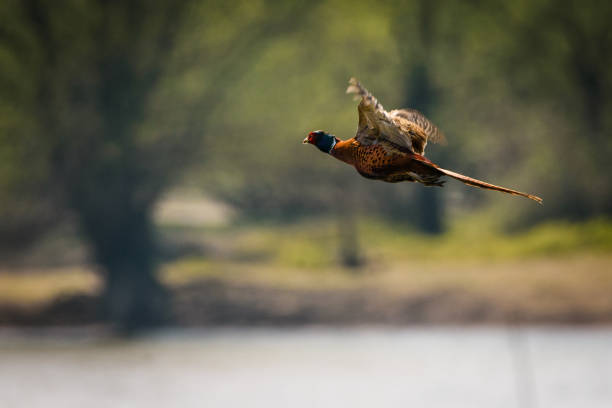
481,184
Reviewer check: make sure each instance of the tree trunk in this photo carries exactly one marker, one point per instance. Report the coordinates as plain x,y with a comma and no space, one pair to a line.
348,235
124,247
429,206
133,298
350,254
430,211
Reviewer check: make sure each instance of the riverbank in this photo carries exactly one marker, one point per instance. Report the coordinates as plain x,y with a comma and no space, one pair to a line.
562,290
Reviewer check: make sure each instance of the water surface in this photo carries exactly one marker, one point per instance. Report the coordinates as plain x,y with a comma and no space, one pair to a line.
314,367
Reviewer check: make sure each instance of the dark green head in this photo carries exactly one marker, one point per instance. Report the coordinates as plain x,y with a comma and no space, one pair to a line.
324,141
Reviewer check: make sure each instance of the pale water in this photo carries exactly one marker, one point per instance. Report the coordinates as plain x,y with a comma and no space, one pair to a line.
314,367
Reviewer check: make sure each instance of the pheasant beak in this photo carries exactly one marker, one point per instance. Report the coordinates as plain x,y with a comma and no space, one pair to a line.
309,139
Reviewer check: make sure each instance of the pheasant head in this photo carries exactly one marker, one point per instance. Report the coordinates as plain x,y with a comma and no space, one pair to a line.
322,140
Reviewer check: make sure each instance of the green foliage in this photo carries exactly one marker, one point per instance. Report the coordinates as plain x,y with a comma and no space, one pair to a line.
124,99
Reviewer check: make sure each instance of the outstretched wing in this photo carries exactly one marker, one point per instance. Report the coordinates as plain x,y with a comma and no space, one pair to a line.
370,111
434,134
378,125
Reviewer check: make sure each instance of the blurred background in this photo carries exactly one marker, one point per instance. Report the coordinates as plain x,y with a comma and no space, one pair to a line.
152,176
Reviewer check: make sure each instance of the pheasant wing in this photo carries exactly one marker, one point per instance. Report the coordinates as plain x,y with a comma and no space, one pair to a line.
375,123
366,133
434,134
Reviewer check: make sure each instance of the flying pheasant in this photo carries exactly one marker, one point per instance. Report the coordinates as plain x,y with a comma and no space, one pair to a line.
390,146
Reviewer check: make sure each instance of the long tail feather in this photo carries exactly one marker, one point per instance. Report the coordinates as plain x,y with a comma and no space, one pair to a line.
481,184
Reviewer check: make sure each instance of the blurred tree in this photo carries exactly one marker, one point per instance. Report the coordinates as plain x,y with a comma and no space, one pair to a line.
91,69
414,28
561,59
294,86
108,99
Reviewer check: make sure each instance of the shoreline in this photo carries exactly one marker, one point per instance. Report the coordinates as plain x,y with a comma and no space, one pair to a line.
214,302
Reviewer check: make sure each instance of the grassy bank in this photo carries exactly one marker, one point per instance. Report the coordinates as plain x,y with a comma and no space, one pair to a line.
550,271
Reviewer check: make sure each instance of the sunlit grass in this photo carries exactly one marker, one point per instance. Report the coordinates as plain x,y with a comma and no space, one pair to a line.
469,239
41,285
315,243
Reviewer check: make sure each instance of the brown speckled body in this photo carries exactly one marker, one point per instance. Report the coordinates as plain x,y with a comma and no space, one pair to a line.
376,162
